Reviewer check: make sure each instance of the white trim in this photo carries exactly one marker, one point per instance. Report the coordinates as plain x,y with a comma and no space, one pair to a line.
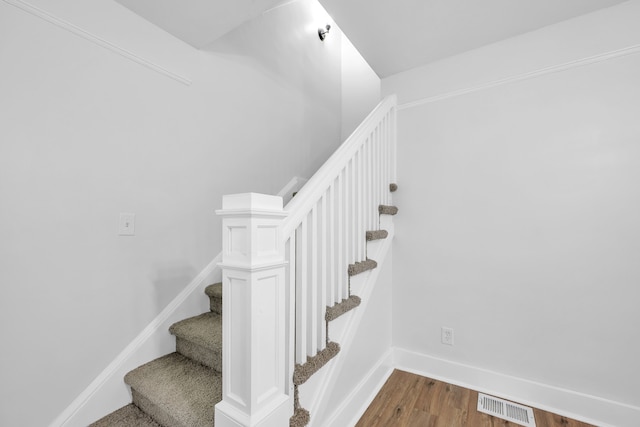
121,360
291,187
304,201
579,406
630,50
66,25
356,403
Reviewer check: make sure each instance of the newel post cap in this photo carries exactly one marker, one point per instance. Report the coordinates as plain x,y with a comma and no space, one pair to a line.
255,203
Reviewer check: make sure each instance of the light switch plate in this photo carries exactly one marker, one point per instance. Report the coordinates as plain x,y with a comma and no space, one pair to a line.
127,224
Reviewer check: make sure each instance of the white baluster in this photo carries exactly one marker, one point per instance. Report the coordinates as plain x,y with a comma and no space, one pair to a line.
302,315
331,249
371,211
290,257
360,210
312,338
322,294
352,212
340,241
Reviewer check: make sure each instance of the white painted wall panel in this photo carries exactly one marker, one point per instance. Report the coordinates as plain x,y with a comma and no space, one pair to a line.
518,224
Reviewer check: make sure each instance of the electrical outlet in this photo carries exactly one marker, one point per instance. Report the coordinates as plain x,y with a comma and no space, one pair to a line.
447,336
127,224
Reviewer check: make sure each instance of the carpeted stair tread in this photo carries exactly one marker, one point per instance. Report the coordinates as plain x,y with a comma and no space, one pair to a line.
393,187
301,373
127,416
200,338
214,292
387,210
341,308
376,235
361,267
300,418
176,391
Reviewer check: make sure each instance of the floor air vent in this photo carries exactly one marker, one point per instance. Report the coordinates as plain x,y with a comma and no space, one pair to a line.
517,414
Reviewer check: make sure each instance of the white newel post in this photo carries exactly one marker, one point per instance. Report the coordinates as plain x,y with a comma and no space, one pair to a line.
255,390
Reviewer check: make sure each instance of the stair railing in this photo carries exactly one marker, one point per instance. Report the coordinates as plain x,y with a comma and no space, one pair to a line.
282,269
327,220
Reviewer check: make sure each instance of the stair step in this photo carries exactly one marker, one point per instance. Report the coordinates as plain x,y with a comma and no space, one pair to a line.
300,418
341,308
301,373
127,416
376,235
200,338
393,187
387,210
361,267
176,391
214,292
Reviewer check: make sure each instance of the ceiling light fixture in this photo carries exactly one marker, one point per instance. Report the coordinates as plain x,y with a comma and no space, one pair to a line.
322,32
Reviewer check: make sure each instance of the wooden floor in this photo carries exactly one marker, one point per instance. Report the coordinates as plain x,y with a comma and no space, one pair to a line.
408,400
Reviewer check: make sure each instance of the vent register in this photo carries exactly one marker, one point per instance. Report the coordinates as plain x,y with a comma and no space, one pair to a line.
512,412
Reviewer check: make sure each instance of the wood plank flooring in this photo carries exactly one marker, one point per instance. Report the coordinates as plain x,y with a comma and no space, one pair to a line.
409,400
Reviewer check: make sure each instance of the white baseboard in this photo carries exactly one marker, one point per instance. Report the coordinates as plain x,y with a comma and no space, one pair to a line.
108,392
582,407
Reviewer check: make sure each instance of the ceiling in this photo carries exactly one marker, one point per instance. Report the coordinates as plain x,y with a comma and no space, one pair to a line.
397,35
198,22
392,35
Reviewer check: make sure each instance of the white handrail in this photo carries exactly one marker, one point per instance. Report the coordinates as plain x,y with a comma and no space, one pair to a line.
313,190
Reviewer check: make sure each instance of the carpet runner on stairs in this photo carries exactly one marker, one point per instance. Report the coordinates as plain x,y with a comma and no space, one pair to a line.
181,389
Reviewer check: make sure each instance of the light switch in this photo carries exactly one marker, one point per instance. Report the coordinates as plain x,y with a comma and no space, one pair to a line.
127,224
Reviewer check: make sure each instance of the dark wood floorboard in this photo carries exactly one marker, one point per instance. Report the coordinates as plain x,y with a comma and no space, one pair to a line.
409,400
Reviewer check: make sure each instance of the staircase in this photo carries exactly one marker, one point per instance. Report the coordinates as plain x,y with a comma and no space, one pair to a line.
313,364
181,388
286,275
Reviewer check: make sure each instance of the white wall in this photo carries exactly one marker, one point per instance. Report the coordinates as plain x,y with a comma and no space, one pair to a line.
104,113
360,88
519,210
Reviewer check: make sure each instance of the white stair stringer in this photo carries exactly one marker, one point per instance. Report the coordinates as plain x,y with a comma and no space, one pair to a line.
315,393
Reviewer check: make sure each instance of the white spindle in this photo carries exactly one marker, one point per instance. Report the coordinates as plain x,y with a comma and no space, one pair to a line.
370,188
331,252
387,122
380,164
385,158
312,339
392,142
290,256
372,171
360,209
380,175
322,291
353,240
341,254
302,315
